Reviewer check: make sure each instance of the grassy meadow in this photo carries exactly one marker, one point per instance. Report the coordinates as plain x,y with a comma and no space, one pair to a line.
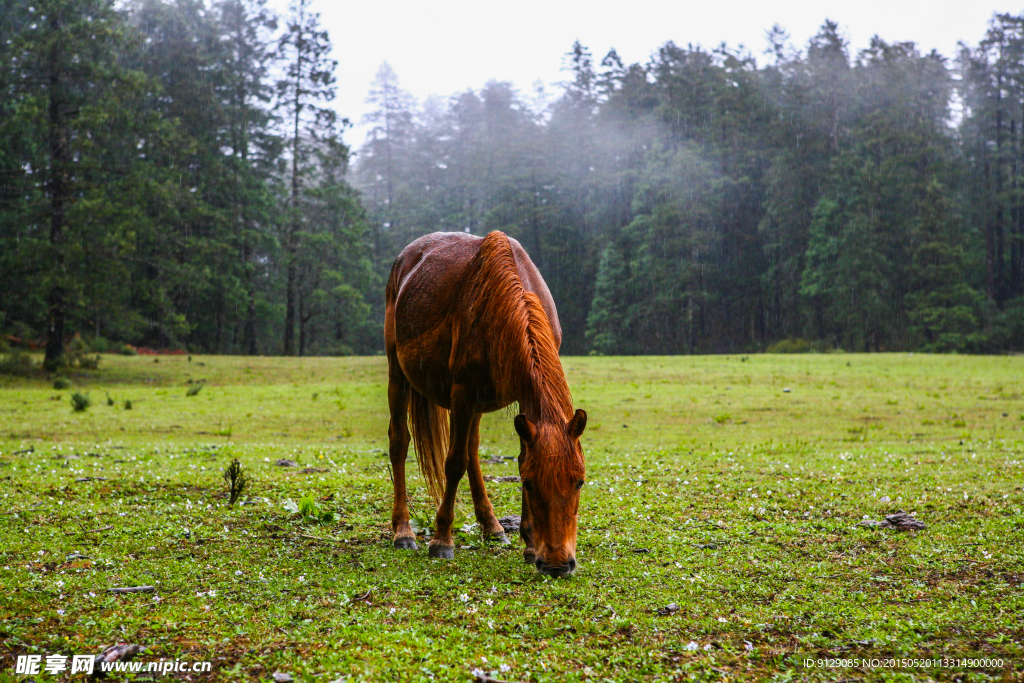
718,528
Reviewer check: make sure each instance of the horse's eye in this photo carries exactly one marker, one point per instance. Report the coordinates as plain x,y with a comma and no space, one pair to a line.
579,484
527,485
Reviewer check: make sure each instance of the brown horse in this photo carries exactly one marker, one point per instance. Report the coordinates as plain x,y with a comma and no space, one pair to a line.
470,327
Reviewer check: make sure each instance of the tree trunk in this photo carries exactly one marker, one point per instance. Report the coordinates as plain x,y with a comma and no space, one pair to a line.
994,240
303,319
250,323
59,199
289,315
1016,265
292,246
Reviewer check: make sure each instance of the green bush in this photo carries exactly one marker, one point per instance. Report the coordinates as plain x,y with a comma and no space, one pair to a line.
79,402
798,346
100,344
237,481
129,350
15,362
60,383
75,350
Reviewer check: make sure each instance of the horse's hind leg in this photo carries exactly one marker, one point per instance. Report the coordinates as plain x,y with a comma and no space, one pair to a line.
461,419
492,529
398,437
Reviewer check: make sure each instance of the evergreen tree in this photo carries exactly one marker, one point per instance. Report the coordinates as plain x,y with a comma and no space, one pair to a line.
388,155
62,84
246,30
302,97
945,311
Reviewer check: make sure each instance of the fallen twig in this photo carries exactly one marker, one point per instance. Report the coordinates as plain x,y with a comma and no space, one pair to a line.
484,677
132,589
89,531
318,538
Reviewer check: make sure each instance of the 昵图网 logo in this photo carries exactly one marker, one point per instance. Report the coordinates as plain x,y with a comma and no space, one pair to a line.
33,665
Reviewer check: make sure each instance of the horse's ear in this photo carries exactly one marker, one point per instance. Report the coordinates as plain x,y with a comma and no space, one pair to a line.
526,431
578,423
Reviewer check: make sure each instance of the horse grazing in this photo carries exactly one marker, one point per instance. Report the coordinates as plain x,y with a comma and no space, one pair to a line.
470,328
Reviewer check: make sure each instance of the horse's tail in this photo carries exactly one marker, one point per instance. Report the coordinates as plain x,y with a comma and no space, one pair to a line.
429,423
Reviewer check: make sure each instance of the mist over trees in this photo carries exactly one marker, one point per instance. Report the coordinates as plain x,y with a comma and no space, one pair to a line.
172,174
706,202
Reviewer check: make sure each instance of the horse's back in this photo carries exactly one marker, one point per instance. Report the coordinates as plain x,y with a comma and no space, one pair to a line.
429,274
430,265
425,294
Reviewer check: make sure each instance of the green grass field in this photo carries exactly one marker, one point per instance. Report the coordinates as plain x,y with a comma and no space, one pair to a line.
730,486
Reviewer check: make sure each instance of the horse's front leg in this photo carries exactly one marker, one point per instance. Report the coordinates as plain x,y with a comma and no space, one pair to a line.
461,421
492,529
526,521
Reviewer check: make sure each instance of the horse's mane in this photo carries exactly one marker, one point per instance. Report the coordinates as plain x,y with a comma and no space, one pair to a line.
521,347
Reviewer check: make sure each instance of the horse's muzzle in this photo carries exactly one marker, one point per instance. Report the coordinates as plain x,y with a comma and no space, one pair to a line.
557,570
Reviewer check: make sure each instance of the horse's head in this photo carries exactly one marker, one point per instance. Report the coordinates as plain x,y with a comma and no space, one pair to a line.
552,470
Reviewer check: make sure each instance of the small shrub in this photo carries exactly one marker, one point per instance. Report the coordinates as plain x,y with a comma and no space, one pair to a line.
798,346
100,344
58,364
74,351
421,522
194,389
127,404
79,402
89,362
110,401
236,480
15,362
307,507
311,514
129,350
61,383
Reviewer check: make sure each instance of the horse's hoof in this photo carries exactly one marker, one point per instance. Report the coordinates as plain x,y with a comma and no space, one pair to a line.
441,552
529,555
406,543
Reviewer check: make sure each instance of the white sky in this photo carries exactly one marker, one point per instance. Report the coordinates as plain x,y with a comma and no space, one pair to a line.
446,46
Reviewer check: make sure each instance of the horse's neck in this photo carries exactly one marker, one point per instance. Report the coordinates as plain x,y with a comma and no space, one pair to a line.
520,344
542,395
